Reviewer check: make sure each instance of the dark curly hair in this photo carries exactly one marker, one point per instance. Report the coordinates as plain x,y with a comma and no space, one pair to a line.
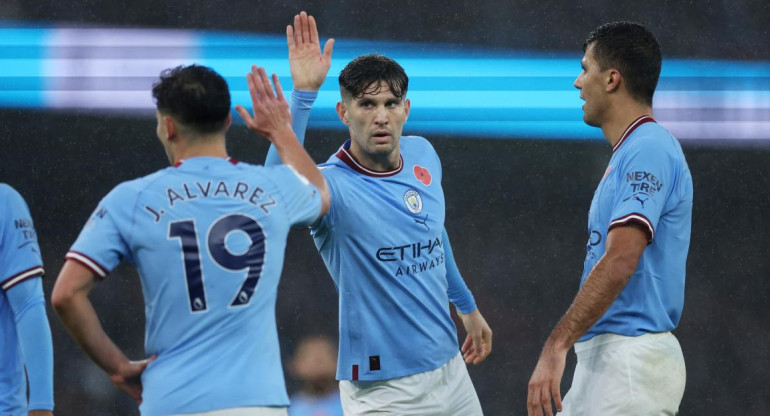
195,96
364,74
633,50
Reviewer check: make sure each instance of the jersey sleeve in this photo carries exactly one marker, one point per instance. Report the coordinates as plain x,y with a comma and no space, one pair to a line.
300,104
300,198
19,252
101,245
646,181
457,290
34,334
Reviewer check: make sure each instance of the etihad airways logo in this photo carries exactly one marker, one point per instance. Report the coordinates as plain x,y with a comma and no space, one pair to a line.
413,258
407,251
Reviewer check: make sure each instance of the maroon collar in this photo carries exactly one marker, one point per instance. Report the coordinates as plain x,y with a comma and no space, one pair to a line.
229,159
344,155
638,122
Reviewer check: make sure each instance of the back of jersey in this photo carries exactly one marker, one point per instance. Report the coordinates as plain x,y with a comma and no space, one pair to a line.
208,239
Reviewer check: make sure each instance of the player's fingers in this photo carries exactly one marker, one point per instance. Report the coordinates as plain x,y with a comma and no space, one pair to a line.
313,29
265,81
556,393
546,401
278,88
537,408
467,344
253,90
290,38
262,82
328,48
305,27
297,30
245,116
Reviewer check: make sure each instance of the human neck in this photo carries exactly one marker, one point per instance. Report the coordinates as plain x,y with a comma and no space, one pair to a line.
204,146
622,117
376,162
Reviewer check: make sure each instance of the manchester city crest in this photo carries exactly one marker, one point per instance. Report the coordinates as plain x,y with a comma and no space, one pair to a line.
413,201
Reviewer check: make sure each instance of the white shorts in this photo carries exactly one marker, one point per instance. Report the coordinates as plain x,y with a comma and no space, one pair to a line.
619,375
446,391
243,411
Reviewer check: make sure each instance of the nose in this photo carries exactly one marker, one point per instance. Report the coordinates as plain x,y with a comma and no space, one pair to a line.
381,116
578,83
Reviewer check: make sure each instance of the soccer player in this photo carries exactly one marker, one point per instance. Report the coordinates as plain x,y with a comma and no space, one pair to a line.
25,336
207,236
314,364
385,246
632,288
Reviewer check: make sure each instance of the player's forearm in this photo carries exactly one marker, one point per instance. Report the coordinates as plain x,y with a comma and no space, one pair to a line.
293,154
457,290
78,316
602,287
35,342
299,105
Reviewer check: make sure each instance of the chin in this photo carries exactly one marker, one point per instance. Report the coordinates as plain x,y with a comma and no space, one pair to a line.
590,121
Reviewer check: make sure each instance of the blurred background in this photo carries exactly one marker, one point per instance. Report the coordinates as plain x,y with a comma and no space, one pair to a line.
491,88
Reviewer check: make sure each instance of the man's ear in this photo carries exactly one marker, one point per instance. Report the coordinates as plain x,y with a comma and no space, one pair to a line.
407,106
614,79
342,112
171,128
229,121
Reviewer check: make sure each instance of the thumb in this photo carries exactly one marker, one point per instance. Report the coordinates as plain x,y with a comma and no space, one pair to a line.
144,363
328,48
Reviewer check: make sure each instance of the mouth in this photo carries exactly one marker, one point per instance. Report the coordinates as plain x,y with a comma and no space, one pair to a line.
381,136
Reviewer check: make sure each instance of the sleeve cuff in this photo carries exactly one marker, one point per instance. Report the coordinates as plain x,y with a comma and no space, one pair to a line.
89,263
22,276
466,304
638,219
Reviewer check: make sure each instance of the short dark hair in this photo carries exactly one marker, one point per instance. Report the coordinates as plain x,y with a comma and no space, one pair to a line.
194,95
633,50
364,75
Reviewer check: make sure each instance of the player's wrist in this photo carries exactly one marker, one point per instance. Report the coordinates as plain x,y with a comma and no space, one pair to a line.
280,135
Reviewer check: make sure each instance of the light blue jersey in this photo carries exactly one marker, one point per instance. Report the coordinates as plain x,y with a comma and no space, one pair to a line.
303,404
207,238
25,337
648,183
385,246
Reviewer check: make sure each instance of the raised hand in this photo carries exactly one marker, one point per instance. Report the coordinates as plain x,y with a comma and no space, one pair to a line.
271,111
128,378
308,65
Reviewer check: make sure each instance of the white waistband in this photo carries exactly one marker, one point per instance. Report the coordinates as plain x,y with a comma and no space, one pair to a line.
609,342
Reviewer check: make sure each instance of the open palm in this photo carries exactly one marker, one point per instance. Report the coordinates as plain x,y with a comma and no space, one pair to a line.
309,65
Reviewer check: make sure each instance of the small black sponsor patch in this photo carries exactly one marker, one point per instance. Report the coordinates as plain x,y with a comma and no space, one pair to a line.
374,363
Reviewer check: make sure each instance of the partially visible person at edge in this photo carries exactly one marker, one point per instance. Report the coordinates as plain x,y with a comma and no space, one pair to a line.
26,349
632,289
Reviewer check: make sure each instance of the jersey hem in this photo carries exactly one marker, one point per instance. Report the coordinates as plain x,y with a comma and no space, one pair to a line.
407,373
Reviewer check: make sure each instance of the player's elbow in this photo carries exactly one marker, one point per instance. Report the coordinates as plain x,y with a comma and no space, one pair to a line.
61,298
